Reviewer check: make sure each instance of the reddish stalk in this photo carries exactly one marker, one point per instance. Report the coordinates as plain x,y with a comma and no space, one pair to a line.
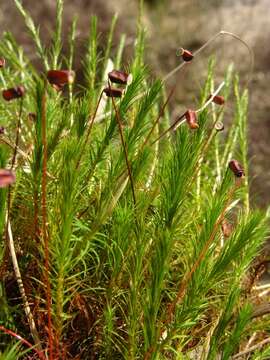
161,113
89,129
183,286
23,341
209,42
178,121
117,115
12,146
197,52
44,223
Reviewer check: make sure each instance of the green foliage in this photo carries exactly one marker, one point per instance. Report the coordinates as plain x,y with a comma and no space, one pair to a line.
12,353
147,278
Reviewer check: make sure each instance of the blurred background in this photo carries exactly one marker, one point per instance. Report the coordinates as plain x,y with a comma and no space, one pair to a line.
171,24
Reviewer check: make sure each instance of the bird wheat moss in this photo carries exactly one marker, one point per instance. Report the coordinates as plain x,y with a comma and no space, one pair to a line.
113,243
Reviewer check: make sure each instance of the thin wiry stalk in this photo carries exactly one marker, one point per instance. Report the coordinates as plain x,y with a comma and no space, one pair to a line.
117,115
161,113
44,224
23,341
90,126
13,146
178,121
179,67
209,42
181,292
129,271
188,277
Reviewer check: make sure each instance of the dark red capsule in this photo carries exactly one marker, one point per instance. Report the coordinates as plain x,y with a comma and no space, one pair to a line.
113,92
13,93
118,77
2,62
2,130
236,168
187,55
191,118
218,99
59,78
7,177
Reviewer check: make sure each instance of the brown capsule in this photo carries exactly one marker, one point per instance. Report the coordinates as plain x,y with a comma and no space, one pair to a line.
191,118
59,78
113,92
13,93
118,77
2,62
236,168
7,177
187,55
217,99
2,130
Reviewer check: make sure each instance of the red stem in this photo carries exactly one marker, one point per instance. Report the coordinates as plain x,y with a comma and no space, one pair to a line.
117,115
161,113
89,129
170,128
24,341
183,286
